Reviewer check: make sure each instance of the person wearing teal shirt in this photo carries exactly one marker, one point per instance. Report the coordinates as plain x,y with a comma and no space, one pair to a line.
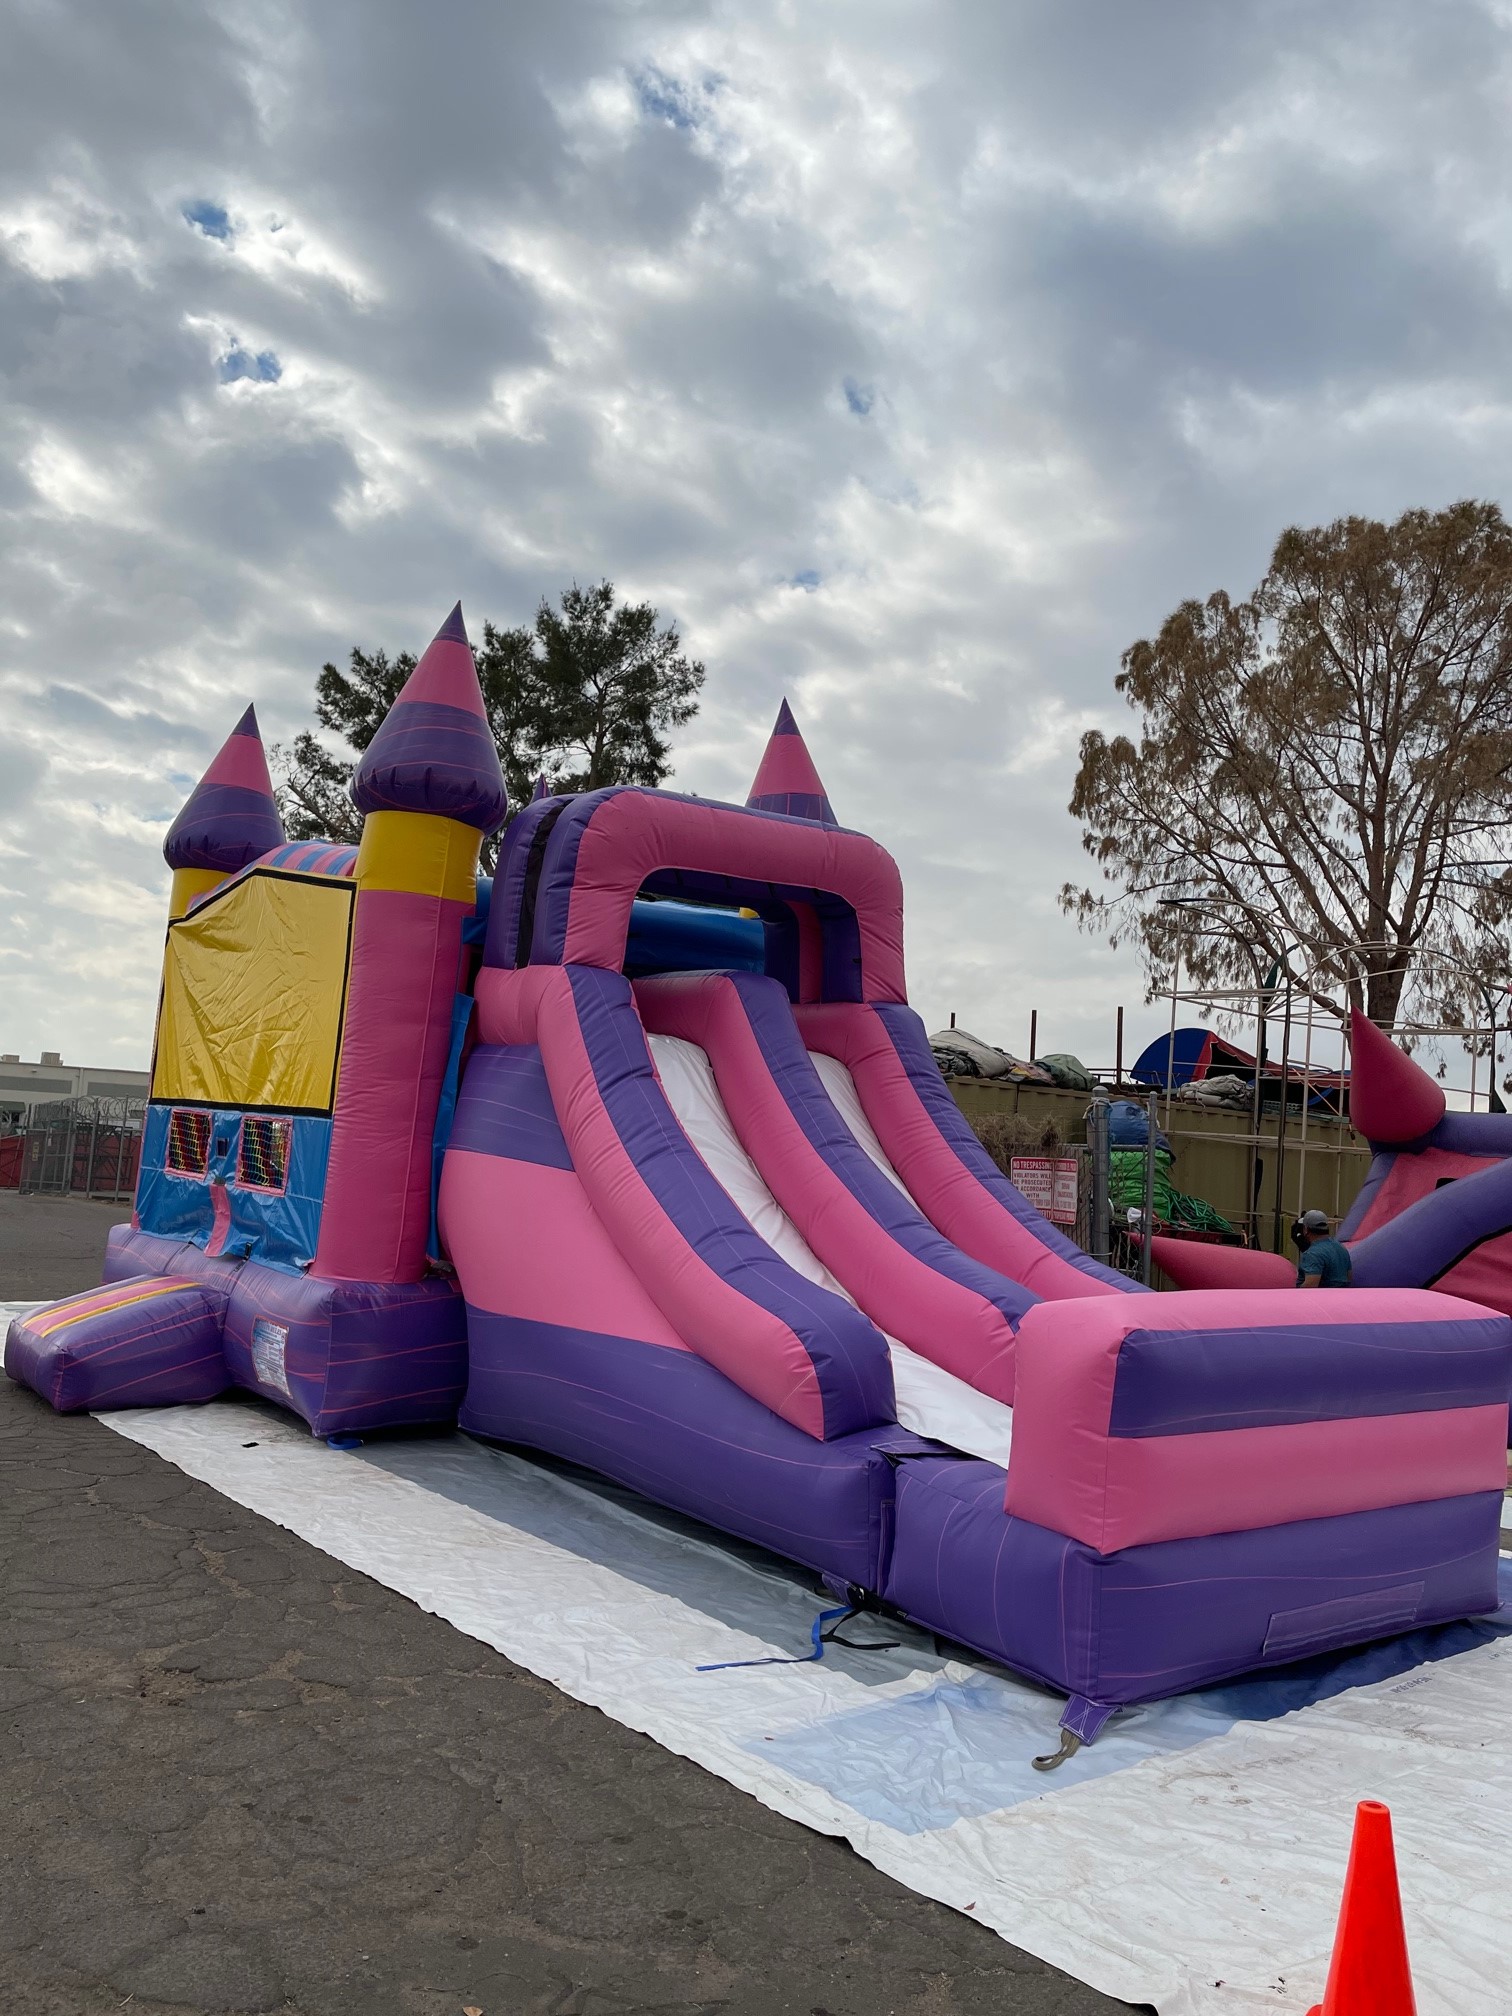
1323,1261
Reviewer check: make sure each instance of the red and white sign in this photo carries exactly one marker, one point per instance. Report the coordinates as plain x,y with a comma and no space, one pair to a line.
1050,1184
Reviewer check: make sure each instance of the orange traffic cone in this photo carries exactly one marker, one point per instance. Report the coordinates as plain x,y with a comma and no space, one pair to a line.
1369,1975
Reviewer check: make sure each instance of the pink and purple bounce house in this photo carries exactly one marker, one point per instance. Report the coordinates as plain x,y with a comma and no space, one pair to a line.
638,1156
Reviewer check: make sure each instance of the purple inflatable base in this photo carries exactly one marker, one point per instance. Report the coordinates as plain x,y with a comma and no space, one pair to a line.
879,1511
347,1357
1110,1630
129,1251
669,1426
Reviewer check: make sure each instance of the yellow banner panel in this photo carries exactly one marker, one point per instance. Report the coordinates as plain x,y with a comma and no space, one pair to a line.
254,987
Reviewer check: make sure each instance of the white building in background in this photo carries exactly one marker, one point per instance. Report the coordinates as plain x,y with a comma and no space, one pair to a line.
23,1085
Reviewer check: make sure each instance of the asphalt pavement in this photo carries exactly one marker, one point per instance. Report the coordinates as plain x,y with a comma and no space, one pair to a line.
52,1245
236,1776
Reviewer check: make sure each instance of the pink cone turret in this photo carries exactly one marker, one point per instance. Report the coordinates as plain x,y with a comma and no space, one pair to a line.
229,819
787,780
1391,1099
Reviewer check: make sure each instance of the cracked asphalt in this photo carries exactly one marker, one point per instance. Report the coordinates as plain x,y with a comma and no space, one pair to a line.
235,1776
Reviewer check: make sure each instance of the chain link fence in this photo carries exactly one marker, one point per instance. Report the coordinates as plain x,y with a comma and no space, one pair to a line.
84,1147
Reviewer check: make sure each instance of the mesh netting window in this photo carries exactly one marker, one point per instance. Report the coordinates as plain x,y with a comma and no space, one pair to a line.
188,1141
262,1154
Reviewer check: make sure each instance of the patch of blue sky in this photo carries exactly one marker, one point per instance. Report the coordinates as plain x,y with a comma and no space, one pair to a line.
859,398
808,579
662,97
208,217
262,366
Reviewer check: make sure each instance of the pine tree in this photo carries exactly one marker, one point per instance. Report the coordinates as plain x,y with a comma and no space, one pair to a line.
587,696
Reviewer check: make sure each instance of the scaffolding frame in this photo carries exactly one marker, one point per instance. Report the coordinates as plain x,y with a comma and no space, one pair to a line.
1250,1003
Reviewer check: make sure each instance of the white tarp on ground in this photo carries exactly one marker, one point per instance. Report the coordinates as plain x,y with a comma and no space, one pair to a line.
1192,1859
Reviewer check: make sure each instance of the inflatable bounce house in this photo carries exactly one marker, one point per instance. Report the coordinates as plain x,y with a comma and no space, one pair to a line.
1435,1210
639,1156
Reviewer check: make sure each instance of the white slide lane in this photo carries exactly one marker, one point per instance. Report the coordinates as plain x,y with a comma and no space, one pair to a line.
930,1401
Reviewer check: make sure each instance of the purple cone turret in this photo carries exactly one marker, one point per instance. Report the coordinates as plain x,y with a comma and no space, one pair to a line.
434,752
231,815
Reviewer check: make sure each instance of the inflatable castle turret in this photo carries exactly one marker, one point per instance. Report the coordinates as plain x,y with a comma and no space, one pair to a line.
431,788
228,819
787,780
309,998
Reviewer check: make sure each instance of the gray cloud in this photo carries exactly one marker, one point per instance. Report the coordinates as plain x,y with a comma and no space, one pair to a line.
914,367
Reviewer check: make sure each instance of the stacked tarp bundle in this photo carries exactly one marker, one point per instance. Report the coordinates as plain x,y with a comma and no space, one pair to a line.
1068,1072
1129,1134
1231,1091
959,1054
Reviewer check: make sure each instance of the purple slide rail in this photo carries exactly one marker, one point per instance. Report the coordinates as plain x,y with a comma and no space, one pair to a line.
569,1351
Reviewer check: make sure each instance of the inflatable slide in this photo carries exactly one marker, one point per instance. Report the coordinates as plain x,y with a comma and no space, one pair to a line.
639,1156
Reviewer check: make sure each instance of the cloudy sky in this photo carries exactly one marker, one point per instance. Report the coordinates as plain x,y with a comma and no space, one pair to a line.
915,357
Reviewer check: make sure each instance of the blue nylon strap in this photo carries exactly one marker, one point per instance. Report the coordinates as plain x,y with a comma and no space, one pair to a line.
777,1659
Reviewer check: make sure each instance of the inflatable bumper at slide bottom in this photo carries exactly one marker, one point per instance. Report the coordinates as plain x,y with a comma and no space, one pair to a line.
1190,1494
1074,1568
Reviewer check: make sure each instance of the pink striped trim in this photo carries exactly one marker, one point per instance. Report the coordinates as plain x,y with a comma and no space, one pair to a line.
98,1301
240,762
220,1230
1177,1487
